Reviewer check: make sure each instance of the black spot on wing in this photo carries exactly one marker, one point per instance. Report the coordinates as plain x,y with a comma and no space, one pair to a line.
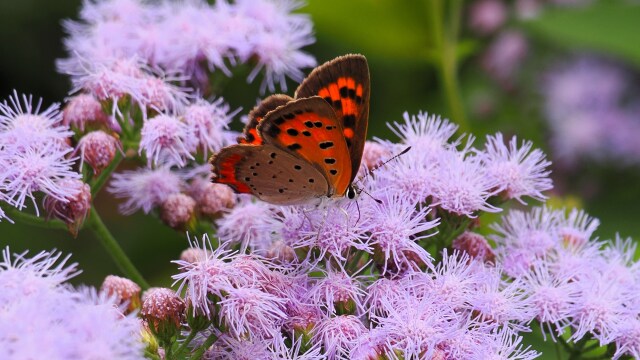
349,121
292,132
325,145
294,146
273,131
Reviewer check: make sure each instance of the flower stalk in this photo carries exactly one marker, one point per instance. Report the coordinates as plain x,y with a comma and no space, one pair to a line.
102,233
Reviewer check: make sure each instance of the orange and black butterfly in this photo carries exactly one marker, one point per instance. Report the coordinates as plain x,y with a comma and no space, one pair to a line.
297,149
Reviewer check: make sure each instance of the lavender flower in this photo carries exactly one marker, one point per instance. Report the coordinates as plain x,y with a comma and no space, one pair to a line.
337,292
34,169
460,185
144,188
44,317
179,37
210,275
505,55
396,228
209,123
242,223
338,335
517,171
22,124
166,140
251,312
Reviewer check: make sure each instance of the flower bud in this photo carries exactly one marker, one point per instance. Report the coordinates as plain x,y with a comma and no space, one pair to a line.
98,149
163,310
73,209
124,290
476,246
212,198
178,210
83,109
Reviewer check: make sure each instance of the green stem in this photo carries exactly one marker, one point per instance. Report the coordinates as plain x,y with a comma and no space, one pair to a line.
94,222
445,42
207,344
99,182
558,352
33,220
148,354
185,343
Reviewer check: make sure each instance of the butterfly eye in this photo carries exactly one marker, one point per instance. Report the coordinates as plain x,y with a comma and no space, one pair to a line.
351,193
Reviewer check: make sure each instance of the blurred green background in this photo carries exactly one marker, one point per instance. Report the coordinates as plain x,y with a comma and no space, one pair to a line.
395,38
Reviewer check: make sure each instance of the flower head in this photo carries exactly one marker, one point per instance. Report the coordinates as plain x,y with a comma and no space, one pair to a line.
212,274
517,172
98,149
252,312
209,123
23,125
73,209
460,185
396,228
338,335
166,140
144,188
36,169
83,109
243,222
177,210
124,291
44,317
337,292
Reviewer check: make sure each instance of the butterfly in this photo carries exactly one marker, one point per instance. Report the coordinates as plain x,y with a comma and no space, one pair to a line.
294,150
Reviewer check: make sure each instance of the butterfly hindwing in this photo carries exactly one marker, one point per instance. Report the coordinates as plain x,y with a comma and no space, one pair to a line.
250,133
269,173
344,83
309,129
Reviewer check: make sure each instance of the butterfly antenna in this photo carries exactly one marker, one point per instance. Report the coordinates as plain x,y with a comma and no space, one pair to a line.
406,150
370,172
359,190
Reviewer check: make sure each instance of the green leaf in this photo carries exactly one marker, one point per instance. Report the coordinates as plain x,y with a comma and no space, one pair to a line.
384,28
607,26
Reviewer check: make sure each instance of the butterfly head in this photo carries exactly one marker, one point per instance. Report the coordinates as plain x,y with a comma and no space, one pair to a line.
352,192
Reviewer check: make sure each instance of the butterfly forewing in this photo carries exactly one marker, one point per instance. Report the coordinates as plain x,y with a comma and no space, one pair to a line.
250,133
308,129
344,83
271,174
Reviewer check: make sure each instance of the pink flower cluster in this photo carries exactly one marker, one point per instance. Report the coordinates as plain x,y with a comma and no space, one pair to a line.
116,43
35,155
576,284
43,317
